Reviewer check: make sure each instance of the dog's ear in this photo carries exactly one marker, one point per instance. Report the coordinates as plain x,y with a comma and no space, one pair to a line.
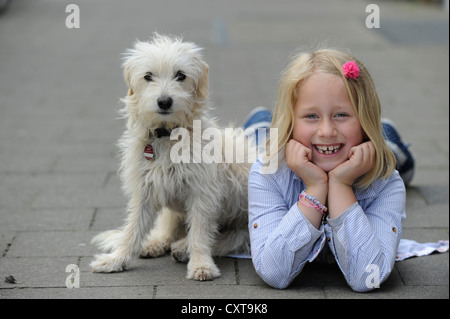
202,85
129,110
127,77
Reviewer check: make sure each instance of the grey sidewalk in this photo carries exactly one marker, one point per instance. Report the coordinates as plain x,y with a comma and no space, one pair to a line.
59,96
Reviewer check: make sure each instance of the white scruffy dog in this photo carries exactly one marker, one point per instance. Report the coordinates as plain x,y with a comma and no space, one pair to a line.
198,210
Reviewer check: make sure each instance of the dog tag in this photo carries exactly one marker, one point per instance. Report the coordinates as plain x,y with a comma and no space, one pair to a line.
148,152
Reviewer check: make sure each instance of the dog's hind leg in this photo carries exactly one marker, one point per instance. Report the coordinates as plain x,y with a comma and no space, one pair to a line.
165,232
129,241
232,242
180,251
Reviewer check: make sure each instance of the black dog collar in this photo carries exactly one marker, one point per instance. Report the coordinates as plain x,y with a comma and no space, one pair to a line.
161,132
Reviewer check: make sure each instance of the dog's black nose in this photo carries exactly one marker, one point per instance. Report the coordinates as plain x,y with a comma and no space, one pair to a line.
165,102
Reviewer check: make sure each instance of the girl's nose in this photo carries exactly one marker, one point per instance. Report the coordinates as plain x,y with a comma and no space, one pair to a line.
327,128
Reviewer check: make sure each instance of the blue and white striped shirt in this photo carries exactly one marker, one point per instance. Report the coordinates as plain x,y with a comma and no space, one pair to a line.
363,239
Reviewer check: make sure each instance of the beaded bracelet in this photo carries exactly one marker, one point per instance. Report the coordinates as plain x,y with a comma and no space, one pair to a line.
314,203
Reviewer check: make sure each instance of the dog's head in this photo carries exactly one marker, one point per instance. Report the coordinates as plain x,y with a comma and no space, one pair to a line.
168,84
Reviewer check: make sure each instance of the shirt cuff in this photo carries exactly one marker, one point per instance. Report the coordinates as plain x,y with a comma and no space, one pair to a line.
338,221
297,230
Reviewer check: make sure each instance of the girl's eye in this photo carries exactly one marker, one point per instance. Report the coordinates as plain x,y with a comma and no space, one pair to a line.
311,116
180,76
148,76
341,115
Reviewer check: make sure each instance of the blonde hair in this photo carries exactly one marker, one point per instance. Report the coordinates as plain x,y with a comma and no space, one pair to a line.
363,97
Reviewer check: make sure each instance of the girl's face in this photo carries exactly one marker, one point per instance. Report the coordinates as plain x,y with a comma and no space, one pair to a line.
324,120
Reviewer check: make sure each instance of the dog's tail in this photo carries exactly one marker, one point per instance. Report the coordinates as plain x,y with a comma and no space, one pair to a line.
107,240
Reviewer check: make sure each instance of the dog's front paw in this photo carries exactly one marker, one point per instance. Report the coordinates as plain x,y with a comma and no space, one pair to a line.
203,272
154,248
108,263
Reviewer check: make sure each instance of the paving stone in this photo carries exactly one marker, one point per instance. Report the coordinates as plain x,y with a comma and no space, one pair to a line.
52,244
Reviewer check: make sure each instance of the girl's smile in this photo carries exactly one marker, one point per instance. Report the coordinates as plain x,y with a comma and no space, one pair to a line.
328,149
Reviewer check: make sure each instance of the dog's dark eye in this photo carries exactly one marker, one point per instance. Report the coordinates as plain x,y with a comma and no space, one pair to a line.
148,76
180,76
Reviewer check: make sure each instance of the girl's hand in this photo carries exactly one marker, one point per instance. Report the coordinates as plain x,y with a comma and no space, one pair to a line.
361,160
298,159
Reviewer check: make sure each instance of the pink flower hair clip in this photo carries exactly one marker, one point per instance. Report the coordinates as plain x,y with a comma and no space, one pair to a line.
351,70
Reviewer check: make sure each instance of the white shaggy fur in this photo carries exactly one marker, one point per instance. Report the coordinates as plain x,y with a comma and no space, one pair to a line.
198,210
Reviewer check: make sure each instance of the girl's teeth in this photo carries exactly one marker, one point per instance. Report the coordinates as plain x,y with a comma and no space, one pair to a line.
328,149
